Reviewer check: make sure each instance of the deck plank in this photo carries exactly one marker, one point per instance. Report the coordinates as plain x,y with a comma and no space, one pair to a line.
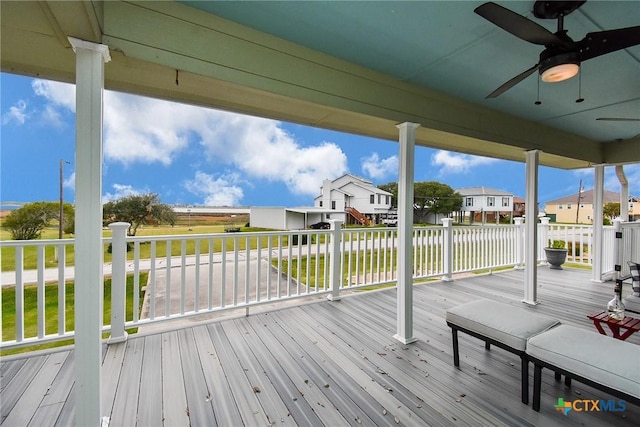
174,399
225,409
150,401
125,405
198,401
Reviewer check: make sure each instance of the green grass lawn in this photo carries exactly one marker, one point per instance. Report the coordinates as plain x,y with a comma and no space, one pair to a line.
51,311
30,255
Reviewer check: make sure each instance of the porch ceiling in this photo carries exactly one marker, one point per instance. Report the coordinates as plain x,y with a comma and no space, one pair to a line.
358,67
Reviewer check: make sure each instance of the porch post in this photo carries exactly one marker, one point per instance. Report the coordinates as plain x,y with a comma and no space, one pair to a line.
335,260
519,243
624,193
598,217
90,59
447,249
531,229
407,141
118,280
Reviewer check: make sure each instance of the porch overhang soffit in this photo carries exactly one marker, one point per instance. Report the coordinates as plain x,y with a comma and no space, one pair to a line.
171,51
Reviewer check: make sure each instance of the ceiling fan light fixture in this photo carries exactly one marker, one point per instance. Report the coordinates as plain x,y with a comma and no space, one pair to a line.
559,73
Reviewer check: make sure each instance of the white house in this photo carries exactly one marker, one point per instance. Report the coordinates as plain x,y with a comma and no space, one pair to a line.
485,204
364,202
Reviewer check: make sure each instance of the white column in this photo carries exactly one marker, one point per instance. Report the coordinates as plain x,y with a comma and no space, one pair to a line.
447,249
335,260
624,193
118,281
407,141
598,217
531,229
90,59
519,243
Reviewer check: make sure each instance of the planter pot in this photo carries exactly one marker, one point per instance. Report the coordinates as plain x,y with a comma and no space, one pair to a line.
555,257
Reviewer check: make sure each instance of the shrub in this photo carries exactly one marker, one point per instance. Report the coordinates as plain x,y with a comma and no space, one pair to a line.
556,244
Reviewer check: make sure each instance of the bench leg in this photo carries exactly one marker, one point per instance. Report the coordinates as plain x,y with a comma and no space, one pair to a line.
567,381
524,373
537,380
557,376
487,346
454,338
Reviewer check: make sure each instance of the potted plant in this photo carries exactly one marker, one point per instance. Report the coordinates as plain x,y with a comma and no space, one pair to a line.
556,254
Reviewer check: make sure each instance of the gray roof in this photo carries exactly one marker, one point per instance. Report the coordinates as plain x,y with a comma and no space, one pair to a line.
482,191
586,197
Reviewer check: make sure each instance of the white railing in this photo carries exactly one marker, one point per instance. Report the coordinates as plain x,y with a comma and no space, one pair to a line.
199,274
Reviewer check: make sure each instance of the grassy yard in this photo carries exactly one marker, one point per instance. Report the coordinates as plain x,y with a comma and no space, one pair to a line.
51,311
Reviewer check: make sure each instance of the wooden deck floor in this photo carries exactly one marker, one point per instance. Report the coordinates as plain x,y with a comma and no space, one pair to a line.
323,363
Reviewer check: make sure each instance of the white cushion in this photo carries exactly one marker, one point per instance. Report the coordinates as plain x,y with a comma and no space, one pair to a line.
602,359
632,303
501,322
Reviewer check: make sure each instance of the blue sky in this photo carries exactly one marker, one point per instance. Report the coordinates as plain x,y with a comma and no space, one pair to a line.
196,156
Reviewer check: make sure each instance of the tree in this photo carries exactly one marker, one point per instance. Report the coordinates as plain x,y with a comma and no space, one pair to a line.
28,222
436,198
391,187
137,210
611,210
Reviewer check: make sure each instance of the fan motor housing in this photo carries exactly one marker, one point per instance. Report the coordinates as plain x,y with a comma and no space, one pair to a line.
550,58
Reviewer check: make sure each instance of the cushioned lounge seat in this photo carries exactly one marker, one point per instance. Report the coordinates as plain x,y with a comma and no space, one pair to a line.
600,361
503,325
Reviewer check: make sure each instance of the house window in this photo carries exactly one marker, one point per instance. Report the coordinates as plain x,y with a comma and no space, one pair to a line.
491,201
333,204
388,200
320,203
505,201
379,199
559,206
469,201
372,199
568,205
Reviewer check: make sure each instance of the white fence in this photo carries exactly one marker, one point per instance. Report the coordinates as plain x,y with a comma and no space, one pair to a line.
193,275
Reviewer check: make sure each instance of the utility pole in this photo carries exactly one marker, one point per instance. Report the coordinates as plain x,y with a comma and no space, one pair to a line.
579,199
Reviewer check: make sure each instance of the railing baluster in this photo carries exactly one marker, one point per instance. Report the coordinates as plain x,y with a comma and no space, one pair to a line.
196,292
183,275
210,278
152,282
136,281
167,294
62,318
41,313
19,257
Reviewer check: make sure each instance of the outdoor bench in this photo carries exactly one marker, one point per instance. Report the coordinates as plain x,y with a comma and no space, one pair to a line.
599,361
501,324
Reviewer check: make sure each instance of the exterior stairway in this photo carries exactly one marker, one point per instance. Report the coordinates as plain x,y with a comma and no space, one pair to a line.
359,217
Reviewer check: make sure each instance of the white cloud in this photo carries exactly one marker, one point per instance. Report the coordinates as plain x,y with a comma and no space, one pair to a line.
375,167
17,113
220,191
449,162
145,130
59,94
70,182
121,190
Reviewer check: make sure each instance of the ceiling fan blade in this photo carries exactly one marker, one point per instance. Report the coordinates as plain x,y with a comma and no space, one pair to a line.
511,83
618,119
603,42
517,25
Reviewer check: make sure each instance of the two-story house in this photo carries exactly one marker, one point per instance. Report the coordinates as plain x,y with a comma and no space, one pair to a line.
483,204
578,208
364,202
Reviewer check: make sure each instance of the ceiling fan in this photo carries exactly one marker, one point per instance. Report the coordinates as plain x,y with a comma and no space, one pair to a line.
561,58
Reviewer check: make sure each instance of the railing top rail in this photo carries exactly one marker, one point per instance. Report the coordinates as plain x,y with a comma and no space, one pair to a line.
37,242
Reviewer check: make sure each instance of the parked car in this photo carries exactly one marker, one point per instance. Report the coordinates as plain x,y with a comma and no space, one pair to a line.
320,225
